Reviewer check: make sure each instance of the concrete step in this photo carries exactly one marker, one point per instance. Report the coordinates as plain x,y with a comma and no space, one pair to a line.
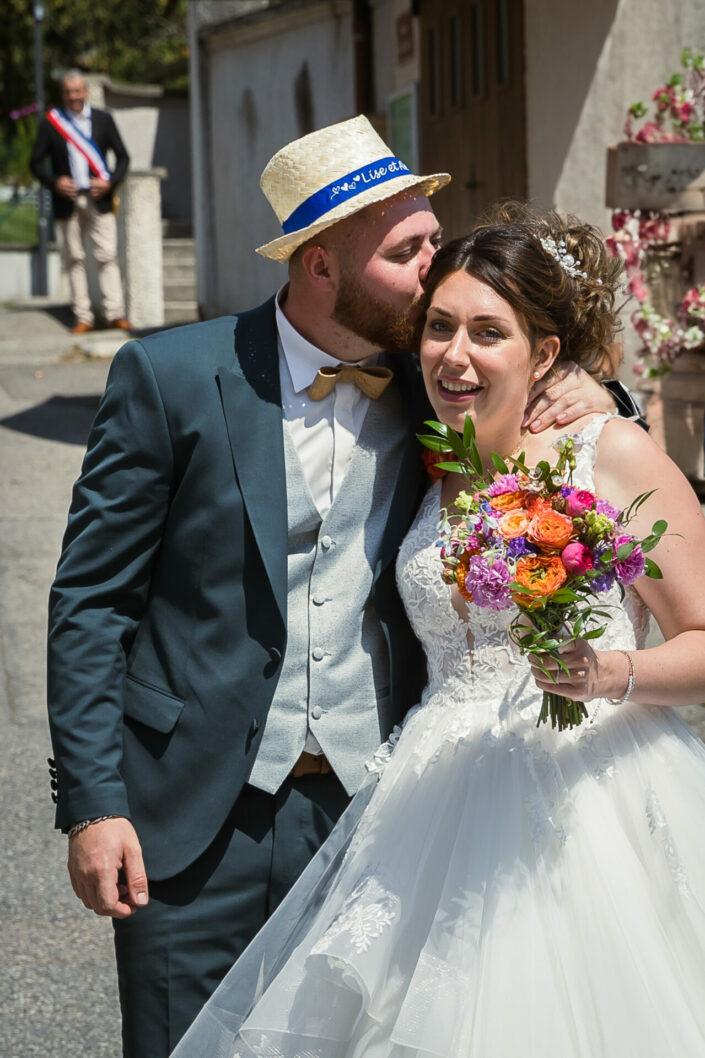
172,247
177,270
175,229
180,311
180,289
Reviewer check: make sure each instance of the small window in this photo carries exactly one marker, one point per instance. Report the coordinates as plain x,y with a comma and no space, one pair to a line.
477,46
456,68
432,55
502,42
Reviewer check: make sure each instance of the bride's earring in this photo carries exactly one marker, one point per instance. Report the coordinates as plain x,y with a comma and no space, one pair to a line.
537,374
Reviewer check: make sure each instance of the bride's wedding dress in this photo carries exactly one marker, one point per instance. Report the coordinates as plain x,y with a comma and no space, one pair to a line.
496,890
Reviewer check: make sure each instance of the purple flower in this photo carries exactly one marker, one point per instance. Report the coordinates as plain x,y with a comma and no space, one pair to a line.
505,483
520,546
489,584
604,582
603,507
632,567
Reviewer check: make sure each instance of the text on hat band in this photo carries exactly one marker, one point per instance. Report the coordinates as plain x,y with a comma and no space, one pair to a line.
318,204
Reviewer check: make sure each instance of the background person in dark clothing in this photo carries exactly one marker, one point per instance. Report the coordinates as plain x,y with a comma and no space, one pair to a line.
75,139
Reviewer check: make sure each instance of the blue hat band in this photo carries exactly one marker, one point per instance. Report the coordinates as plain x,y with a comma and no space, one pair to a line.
321,202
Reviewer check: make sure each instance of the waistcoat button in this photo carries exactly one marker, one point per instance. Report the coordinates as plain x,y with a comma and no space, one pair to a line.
317,653
318,599
316,712
326,542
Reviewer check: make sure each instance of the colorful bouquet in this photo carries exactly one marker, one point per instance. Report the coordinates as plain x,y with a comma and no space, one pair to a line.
528,538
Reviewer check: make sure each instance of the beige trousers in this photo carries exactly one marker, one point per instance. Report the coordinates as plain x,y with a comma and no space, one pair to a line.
86,225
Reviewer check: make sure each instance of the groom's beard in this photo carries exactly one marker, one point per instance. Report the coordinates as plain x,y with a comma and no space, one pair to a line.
370,318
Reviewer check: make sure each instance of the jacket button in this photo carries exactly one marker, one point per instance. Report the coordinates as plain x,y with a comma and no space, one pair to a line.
275,654
254,728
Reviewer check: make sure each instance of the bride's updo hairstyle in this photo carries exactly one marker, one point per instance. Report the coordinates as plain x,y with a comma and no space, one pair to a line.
556,273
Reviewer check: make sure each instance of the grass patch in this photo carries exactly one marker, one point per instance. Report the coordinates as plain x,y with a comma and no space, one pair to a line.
18,223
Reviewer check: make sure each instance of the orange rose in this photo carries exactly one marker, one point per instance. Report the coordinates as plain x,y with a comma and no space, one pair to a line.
514,523
541,574
537,504
551,530
507,501
461,572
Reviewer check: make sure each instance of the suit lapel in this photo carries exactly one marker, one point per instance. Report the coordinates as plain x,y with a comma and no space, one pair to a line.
251,396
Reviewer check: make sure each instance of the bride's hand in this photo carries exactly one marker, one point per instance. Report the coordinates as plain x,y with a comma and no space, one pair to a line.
565,394
583,681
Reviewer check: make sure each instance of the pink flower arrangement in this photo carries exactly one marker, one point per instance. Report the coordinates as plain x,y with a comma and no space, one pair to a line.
680,107
679,118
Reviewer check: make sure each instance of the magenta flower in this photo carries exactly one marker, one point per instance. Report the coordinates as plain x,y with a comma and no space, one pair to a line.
578,502
505,483
632,567
489,584
577,558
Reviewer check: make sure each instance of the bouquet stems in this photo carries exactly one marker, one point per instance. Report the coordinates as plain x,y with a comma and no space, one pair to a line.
564,712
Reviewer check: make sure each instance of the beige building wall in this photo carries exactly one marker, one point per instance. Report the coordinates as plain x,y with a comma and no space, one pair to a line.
258,82
585,64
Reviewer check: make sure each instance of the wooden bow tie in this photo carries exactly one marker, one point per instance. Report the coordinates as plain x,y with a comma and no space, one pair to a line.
371,380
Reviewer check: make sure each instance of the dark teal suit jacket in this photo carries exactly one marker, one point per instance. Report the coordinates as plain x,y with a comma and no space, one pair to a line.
168,613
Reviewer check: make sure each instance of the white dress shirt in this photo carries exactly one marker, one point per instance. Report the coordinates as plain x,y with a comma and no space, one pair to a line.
78,162
324,432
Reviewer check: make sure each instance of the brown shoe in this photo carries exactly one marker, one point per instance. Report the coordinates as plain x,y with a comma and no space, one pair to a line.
120,324
82,328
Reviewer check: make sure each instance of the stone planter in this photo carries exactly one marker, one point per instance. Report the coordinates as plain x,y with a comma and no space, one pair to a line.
675,410
656,176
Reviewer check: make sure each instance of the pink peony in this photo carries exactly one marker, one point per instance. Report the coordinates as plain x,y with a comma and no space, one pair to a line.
578,502
577,558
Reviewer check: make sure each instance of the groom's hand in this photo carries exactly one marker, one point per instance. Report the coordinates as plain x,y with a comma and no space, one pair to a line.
100,857
564,395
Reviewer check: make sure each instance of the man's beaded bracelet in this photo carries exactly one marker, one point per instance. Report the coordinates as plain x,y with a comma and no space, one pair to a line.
630,682
78,827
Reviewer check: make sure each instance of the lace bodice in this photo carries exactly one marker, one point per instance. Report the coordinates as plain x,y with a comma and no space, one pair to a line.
470,655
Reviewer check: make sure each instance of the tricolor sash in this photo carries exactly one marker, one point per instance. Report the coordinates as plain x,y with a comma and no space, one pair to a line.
69,131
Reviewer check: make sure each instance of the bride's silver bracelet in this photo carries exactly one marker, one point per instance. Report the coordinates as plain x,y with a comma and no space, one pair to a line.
78,827
630,682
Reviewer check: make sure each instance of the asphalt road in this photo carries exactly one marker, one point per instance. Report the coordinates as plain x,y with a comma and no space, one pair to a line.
58,992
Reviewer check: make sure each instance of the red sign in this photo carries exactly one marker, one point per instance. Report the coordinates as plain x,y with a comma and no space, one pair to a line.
405,38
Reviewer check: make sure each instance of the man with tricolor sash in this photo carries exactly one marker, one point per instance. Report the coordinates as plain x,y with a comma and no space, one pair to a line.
75,140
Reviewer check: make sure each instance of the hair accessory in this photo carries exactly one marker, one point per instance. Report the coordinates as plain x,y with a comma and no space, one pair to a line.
630,682
569,263
332,173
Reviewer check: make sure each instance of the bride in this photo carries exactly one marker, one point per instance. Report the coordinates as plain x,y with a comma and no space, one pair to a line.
498,890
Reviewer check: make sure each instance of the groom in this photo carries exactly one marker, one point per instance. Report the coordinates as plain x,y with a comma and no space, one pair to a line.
227,646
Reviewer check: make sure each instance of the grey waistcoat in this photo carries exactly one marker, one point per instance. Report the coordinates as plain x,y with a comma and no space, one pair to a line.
335,676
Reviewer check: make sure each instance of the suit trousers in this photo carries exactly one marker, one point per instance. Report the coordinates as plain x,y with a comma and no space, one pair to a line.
87,227
172,954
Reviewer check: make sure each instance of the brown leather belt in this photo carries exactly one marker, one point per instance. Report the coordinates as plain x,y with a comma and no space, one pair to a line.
310,764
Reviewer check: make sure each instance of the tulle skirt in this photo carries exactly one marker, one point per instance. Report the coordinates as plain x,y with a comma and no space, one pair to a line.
492,894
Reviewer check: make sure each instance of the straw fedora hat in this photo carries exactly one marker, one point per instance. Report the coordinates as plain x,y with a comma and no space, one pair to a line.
330,174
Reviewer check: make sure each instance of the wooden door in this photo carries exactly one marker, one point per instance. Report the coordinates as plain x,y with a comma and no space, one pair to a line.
472,110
